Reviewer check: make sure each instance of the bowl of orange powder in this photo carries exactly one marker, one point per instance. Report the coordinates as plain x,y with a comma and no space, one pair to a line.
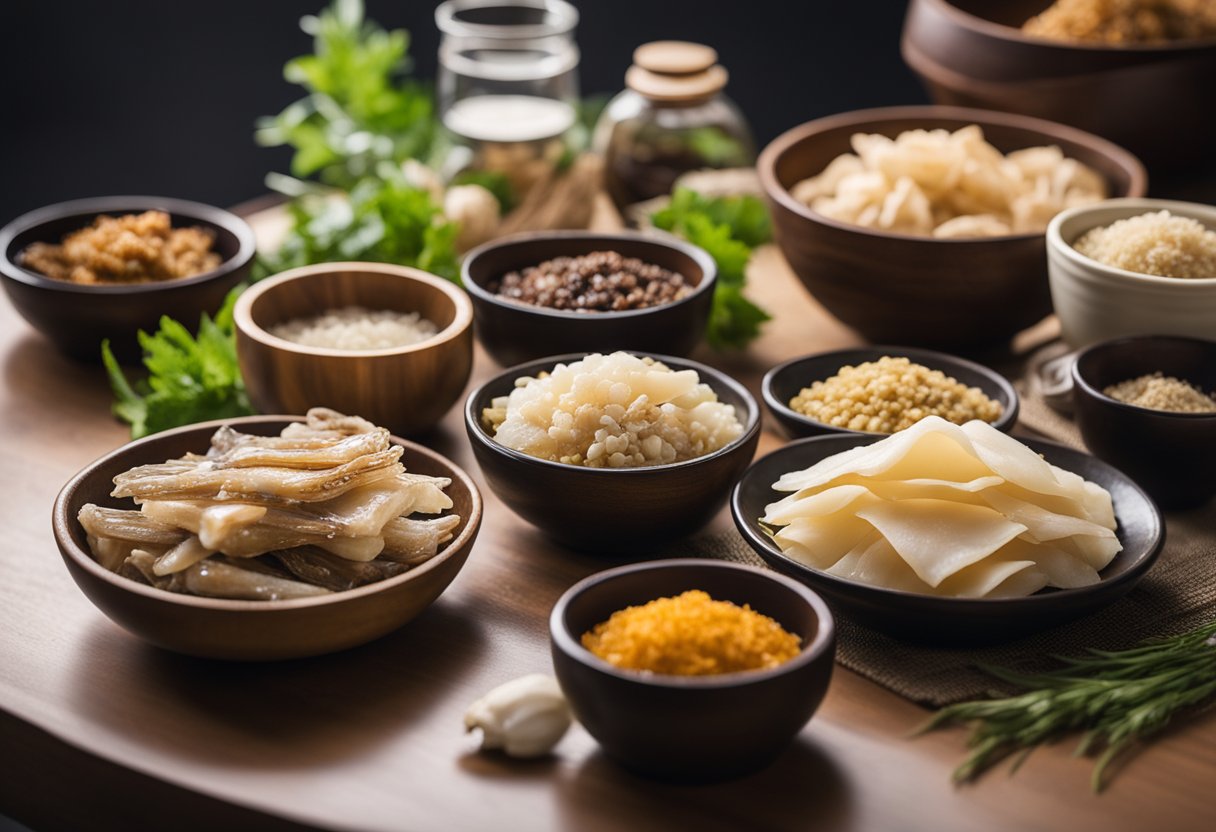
692,670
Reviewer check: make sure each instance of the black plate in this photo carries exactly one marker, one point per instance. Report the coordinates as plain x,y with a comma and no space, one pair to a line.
785,381
926,618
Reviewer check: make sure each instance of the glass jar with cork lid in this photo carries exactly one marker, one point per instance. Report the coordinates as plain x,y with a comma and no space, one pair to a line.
672,118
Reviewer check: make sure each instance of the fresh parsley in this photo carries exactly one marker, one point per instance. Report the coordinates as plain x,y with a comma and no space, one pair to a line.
728,228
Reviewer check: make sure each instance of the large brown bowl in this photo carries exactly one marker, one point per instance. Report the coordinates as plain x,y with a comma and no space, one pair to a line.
922,291
76,318
220,628
514,332
616,511
1154,99
692,728
932,619
406,389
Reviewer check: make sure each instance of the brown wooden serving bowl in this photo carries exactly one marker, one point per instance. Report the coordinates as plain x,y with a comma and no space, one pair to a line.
923,291
221,628
1154,99
514,332
692,728
406,389
76,318
614,511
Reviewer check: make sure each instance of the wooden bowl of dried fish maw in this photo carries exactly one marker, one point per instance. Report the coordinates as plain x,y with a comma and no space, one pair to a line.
255,630
919,290
408,389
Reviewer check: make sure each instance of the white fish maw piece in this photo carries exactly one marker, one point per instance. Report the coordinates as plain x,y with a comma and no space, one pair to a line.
411,541
182,556
820,542
939,537
253,454
878,564
198,479
111,552
427,493
1063,569
1098,552
222,580
127,524
219,520
324,420
1017,463
811,503
931,449
183,514
227,438
970,491
1020,584
1041,523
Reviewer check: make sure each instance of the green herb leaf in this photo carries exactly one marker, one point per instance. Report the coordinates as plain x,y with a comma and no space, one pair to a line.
728,228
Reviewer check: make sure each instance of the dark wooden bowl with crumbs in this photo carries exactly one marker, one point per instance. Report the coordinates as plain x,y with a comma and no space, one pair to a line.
591,293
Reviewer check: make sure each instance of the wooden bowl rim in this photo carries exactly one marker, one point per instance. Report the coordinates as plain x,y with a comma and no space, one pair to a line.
1009,411
230,222
708,375
242,313
1051,131
1135,206
1095,393
1000,31
1143,561
709,272
569,644
60,522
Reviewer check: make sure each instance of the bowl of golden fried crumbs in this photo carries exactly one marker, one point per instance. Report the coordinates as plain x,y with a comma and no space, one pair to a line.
692,670
104,268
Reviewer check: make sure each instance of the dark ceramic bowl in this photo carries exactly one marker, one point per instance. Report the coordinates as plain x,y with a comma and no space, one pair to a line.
955,621
1171,455
76,318
785,381
921,291
1153,99
692,728
618,511
222,628
516,332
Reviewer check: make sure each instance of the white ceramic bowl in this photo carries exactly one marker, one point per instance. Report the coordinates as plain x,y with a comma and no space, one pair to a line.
1096,302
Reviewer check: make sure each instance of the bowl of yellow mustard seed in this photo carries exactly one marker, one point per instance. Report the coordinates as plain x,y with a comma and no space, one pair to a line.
1147,405
692,670
884,389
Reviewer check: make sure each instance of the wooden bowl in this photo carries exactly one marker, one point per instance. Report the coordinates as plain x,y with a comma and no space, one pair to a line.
923,291
406,389
76,318
515,332
955,621
692,728
1150,98
785,381
618,511
220,628
1171,455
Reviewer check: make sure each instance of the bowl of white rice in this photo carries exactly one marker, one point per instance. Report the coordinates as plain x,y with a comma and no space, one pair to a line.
1133,267
613,453
392,343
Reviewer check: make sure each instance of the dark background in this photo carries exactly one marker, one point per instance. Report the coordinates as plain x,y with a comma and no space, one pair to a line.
160,96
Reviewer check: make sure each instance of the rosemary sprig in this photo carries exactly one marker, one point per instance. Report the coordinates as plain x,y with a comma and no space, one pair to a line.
1117,698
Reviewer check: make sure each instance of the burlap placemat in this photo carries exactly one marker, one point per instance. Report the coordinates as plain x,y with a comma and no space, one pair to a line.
1178,594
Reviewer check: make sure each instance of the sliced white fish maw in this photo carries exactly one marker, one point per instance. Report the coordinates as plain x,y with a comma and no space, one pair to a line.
1020,584
820,542
1063,569
970,491
1041,523
876,563
1098,552
939,537
1009,458
813,504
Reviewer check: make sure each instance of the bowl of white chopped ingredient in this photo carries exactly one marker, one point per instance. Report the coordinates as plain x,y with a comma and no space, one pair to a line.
390,342
1133,267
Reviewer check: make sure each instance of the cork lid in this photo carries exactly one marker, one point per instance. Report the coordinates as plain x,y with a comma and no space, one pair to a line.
674,71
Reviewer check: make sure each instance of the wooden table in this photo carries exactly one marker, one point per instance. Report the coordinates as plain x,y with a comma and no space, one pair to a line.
98,729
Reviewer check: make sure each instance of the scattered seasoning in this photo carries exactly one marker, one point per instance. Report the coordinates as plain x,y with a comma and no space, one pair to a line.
135,248
356,328
1158,243
891,394
1121,22
1157,392
603,281
691,635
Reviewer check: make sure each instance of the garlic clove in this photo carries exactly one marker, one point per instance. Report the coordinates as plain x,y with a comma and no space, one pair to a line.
525,717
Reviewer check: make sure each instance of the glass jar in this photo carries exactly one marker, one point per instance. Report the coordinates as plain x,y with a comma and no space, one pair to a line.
671,119
507,84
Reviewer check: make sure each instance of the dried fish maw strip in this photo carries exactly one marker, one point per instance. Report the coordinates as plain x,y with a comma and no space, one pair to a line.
125,524
219,520
414,541
201,480
255,453
182,556
324,419
318,567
